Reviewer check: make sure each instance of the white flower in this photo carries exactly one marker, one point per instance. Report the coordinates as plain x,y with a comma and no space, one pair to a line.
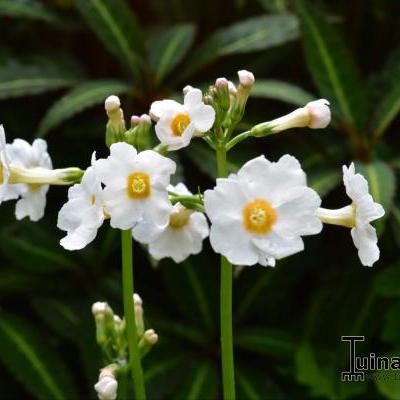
26,157
7,191
106,388
83,214
135,186
365,211
183,235
315,115
259,214
177,123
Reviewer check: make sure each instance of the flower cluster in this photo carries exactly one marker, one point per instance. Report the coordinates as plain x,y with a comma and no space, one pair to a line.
258,215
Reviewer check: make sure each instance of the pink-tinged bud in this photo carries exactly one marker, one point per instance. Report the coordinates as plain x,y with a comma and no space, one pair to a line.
246,78
135,120
221,83
319,112
145,119
106,388
112,103
187,89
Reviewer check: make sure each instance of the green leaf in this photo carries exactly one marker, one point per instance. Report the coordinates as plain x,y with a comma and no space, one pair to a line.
32,362
117,27
201,384
28,9
382,186
253,34
25,241
389,384
278,90
332,66
265,341
324,181
83,96
390,332
168,48
387,282
309,373
59,315
387,90
20,80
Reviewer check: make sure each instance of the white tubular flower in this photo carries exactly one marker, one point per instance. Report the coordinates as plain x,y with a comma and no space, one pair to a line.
259,214
107,386
83,214
179,239
315,115
177,123
135,186
357,216
7,191
25,157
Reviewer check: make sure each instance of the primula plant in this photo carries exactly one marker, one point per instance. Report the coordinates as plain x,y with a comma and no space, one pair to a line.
169,233
258,215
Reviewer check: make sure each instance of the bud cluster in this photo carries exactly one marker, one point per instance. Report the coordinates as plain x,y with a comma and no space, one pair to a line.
111,333
138,133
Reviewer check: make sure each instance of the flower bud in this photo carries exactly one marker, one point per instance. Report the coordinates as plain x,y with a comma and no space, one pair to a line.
137,301
320,114
187,89
149,339
135,120
112,103
99,308
246,78
107,385
315,115
221,83
116,123
232,88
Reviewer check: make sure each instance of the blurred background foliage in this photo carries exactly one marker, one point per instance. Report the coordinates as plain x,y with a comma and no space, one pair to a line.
59,59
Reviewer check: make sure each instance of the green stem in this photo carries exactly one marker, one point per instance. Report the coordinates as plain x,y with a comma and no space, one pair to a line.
128,290
228,373
237,139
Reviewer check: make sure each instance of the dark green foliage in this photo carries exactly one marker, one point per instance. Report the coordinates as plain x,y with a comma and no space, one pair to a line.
59,59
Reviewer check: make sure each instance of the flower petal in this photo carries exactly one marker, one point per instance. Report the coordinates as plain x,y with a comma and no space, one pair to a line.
365,239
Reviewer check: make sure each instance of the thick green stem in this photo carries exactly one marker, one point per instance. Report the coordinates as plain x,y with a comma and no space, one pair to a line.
228,372
129,311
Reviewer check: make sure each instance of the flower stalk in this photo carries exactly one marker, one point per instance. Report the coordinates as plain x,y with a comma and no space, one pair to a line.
228,373
129,311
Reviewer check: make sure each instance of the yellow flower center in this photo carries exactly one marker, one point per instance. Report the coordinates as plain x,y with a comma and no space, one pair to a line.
138,185
259,216
179,124
93,199
1,174
179,219
33,187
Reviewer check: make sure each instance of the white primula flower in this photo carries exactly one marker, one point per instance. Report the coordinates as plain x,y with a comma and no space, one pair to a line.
177,123
357,216
259,214
26,157
7,191
135,186
183,235
83,214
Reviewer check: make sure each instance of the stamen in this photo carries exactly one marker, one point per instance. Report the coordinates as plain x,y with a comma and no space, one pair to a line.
138,185
259,216
179,124
1,174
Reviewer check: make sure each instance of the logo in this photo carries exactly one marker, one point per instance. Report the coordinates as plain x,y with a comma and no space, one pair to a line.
358,366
